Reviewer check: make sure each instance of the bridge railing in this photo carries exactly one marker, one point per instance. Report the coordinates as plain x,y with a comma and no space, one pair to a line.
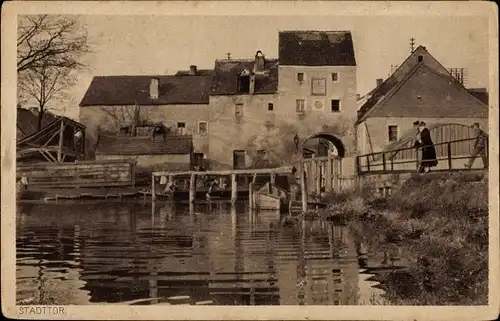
451,155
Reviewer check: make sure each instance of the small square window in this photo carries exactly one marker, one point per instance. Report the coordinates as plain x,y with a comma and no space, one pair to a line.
261,153
238,110
335,76
300,105
181,128
420,58
202,128
393,133
270,106
300,76
335,105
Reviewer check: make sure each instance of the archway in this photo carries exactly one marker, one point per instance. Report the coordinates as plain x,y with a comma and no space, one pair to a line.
332,139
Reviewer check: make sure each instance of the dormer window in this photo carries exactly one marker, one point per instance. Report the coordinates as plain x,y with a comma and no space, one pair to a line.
244,82
420,58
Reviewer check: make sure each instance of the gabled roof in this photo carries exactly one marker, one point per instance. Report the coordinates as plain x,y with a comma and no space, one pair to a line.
131,90
316,48
122,145
227,71
412,67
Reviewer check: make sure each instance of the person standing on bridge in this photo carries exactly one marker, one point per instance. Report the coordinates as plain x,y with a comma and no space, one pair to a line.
480,146
429,158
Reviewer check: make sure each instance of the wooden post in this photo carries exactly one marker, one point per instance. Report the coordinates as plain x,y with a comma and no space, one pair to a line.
312,176
273,178
254,178
303,187
293,192
234,189
61,140
328,173
392,163
368,163
383,161
153,192
336,177
132,172
192,188
82,144
318,177
250,196
449,155
358,165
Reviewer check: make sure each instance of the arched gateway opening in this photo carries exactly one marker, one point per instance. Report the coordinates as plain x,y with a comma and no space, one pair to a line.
322,144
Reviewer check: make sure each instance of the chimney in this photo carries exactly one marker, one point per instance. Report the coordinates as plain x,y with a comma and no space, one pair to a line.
192,70
260,62
380,81
154,88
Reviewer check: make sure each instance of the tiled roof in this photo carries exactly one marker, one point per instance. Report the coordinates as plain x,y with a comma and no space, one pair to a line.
27,122
226,76
439,76
199,72
425,93
316,48
122,145
130,90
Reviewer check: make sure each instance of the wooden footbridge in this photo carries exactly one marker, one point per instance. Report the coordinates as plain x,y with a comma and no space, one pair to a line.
318,175
249,177
451,155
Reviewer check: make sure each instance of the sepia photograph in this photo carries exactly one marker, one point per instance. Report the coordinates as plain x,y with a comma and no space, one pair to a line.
330,155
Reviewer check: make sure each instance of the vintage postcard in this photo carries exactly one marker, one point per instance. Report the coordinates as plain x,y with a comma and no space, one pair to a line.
264,160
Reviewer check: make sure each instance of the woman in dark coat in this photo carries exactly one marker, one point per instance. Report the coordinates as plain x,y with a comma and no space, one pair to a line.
429,158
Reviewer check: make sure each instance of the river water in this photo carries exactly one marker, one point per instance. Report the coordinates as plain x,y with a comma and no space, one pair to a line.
98,253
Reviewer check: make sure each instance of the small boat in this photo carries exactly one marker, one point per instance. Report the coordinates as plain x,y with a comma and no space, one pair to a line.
271,197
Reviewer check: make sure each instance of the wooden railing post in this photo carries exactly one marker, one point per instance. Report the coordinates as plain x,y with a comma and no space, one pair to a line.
392,164
358,165
153,192
449,155
383,161
303,187
368,163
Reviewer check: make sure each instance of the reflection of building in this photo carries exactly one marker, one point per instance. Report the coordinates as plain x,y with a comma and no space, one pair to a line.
323,274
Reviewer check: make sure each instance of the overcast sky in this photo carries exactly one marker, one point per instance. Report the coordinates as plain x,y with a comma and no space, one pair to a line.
138,45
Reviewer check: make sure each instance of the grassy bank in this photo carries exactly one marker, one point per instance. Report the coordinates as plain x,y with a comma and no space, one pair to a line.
437,224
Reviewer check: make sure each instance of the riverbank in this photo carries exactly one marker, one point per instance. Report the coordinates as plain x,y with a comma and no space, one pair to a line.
436,226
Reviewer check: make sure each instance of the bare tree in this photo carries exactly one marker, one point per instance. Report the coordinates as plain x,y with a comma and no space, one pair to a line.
43,84
50,41
125,117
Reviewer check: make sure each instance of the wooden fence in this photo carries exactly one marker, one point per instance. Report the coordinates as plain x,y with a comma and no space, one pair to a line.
324,174
451,155
79,174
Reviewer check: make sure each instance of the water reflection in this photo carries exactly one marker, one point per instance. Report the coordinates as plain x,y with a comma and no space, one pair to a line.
117,252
